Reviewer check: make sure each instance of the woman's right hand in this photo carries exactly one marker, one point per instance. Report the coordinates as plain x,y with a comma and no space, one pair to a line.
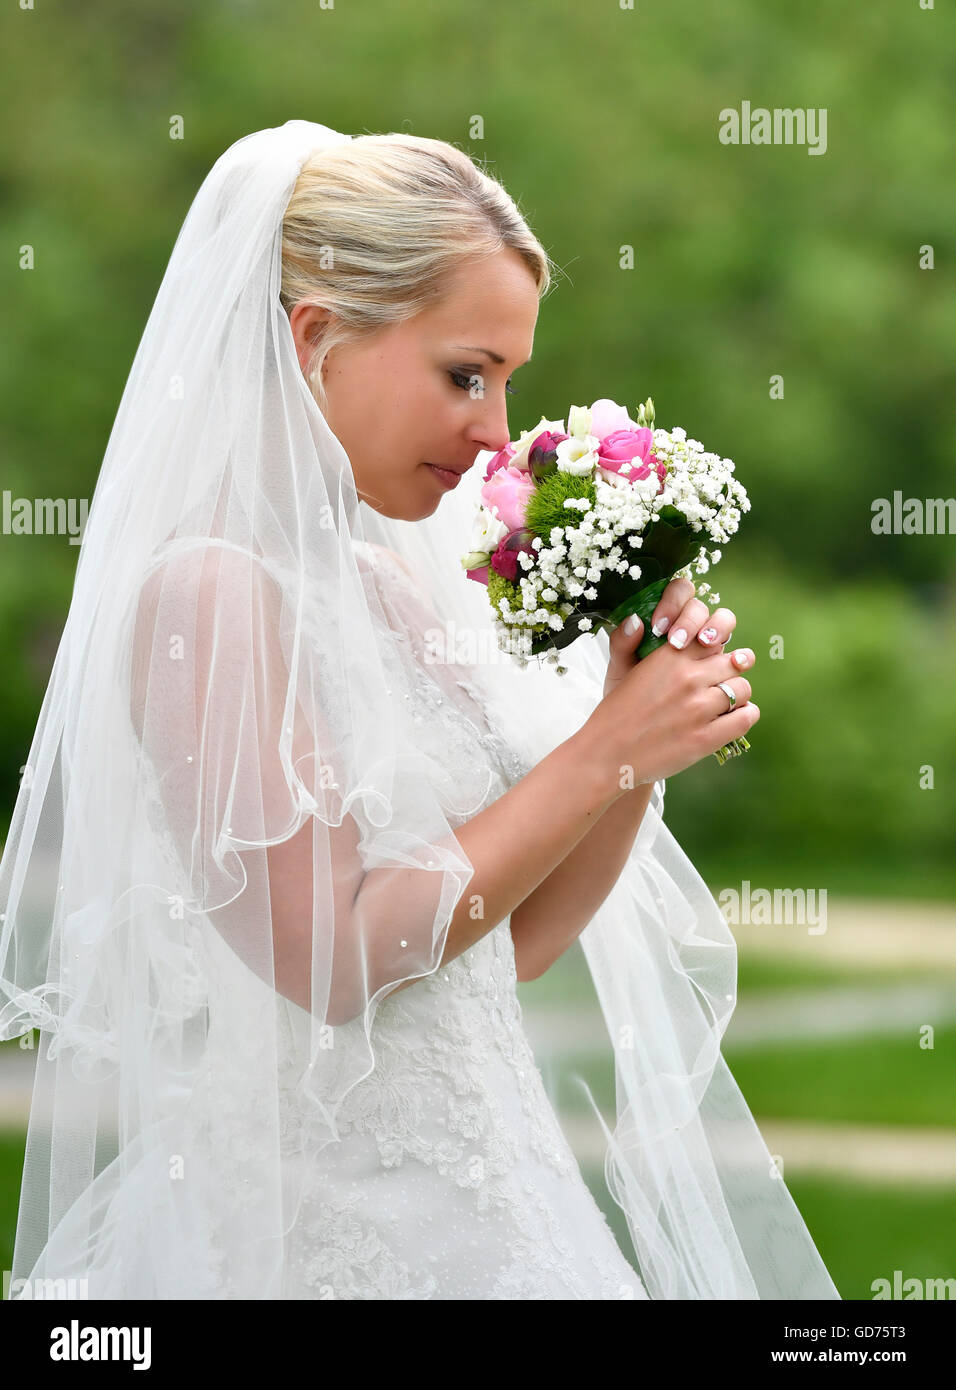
668,712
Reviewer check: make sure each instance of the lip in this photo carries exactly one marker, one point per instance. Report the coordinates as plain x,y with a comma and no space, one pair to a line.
448,477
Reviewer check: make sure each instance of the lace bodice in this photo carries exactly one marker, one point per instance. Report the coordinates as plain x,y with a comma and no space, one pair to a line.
451,1177
448,706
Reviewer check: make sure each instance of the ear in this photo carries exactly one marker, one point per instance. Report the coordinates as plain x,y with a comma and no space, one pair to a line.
307,322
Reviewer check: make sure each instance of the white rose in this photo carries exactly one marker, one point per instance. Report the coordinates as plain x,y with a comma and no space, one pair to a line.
486,535
525,441
578,456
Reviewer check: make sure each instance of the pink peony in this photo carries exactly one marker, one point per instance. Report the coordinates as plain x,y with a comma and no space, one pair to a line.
506,493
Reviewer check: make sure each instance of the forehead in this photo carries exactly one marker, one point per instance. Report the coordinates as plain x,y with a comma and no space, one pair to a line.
488,301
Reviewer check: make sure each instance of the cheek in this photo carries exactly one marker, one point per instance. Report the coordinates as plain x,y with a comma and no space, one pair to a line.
421,422
396,418
400,406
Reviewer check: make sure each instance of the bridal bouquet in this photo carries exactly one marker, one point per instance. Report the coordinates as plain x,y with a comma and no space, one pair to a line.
579,528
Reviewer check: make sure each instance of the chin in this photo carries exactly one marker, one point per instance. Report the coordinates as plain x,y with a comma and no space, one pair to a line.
412,504
424,512
406,511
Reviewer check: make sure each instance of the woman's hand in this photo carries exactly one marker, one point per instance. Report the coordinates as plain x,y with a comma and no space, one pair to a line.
678,611
667,712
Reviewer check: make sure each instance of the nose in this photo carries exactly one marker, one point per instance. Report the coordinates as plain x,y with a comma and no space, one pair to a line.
489,427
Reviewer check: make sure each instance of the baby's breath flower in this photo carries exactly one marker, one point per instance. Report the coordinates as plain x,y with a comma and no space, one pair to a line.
604,528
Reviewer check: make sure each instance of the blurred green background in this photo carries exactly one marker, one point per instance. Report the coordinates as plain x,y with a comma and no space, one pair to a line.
750,262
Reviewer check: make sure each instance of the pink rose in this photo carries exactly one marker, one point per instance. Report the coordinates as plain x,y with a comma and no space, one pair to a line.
499,460
631,446
506,492
607,417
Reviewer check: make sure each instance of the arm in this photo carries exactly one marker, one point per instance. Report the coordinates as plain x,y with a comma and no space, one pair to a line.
224,700
678,727
514,844
552,917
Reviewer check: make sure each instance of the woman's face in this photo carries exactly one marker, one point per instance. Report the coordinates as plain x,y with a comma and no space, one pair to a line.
407,398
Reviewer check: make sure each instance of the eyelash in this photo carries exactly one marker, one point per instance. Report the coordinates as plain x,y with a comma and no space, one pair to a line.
464,383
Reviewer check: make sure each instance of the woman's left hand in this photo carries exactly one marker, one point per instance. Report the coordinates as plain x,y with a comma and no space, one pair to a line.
680,612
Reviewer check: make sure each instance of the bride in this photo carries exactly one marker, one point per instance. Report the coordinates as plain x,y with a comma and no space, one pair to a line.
279,861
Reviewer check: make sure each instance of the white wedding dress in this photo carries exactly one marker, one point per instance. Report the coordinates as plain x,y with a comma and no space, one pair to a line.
449,1176
452,1178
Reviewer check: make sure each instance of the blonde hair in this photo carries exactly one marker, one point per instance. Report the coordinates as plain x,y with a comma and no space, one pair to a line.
374,229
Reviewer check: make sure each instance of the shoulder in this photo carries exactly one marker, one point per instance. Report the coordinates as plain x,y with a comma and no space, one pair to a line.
203,575
208,594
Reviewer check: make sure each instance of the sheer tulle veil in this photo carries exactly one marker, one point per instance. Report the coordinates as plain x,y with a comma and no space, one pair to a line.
226,679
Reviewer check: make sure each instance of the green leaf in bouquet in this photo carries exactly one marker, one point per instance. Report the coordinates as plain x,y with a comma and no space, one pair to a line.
567,634
642,602
669,545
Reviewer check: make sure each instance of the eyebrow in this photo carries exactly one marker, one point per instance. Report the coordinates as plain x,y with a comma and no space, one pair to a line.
487,351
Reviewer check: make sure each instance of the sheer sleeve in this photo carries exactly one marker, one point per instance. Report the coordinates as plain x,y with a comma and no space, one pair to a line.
253,783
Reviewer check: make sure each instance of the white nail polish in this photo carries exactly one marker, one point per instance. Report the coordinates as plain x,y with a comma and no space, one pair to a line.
679,637
630,624
661,626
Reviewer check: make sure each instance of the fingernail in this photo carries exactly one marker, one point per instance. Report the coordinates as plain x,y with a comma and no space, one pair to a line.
630,624
661,626
679,637
743,657
708,635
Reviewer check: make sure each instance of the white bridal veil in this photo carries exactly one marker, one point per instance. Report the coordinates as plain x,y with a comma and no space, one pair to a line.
227,680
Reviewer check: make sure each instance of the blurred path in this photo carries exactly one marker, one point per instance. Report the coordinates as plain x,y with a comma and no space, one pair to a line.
16,1087
772,1016
914,1157
862,936
872,938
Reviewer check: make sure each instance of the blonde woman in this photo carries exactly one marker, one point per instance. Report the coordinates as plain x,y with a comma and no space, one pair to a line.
284,858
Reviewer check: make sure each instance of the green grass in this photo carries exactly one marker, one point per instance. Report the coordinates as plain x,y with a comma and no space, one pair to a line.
12,1146
853,877
765,973
873,1079
870,1079
863,1232
755,973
